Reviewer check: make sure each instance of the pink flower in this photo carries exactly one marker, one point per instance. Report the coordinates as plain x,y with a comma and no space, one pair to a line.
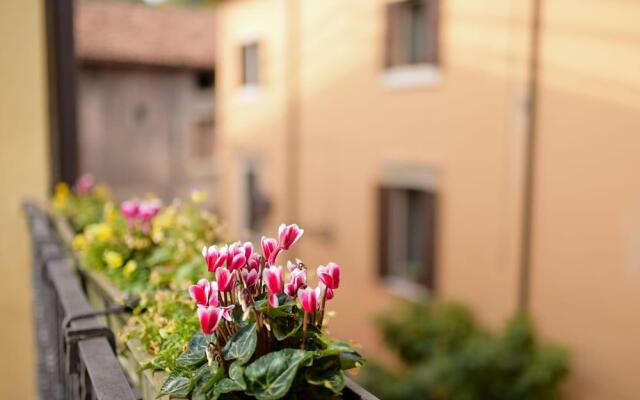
248,249
226,279
226,312
250,277
129,210
253,262
237,255
330,275
210,318
309,299
236,262
270,249
204,293
297,279
274,278
214,257
288,235
329,291
85,184
149,209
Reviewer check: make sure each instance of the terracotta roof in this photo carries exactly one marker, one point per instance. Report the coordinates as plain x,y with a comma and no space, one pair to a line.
133,33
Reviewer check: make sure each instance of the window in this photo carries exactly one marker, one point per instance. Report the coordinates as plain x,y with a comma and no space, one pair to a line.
202,144
250,64
412,32
256,205
407,235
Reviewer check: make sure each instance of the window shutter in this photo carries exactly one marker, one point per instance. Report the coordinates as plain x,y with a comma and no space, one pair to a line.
432,30
383,224
430,206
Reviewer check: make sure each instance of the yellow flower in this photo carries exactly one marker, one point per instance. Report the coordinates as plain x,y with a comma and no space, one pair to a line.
102,192
198,196
129,268
79,242
110,213
101,231
61,194
113,259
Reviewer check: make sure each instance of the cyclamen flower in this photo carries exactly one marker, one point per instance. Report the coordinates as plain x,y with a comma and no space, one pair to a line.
226,279
274,278
129,210
330,292
253,262
204,293
297,279
270,249
210,318
330,275
288,235
250,277
214,257
309,298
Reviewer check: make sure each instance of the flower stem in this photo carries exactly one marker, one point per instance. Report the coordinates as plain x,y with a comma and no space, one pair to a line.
324,300
304,331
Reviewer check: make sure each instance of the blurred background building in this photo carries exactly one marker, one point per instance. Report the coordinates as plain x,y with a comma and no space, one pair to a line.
483,152
438,149
145,85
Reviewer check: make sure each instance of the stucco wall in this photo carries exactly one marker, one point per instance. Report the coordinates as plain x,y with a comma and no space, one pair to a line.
23,173
468,126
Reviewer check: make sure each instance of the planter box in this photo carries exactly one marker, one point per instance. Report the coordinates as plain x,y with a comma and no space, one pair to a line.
102,294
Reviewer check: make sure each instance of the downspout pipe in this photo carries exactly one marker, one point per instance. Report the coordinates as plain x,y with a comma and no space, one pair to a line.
292,113
530,156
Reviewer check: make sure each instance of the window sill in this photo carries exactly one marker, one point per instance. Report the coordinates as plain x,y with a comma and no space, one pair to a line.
249,93
406,290
412,76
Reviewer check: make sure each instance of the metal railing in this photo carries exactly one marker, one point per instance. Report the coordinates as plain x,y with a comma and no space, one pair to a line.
75,353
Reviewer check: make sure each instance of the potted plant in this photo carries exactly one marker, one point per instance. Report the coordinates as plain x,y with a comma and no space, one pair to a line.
261,334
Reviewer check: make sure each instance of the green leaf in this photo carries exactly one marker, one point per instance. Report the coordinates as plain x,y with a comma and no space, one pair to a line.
177,384
207,377
234,383
191,359
241,345
198,342
285,309
270,376
351,359
335,348
326,372
283,328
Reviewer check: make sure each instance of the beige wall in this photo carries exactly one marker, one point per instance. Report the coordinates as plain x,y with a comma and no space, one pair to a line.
468,127
23,173
586,263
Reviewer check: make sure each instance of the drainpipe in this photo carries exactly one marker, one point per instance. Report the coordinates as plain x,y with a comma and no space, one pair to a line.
61,70
530,156
292,116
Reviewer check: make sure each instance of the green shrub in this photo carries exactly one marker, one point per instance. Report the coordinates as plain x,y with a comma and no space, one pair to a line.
447,357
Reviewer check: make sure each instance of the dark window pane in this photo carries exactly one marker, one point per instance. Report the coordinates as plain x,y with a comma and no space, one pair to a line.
412,32
250,64
407,223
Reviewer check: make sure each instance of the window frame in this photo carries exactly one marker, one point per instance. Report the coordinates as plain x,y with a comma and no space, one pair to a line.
244,48
399,71
421,179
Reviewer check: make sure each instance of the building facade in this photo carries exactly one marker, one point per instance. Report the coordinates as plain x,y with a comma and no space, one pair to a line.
447,150
146,97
